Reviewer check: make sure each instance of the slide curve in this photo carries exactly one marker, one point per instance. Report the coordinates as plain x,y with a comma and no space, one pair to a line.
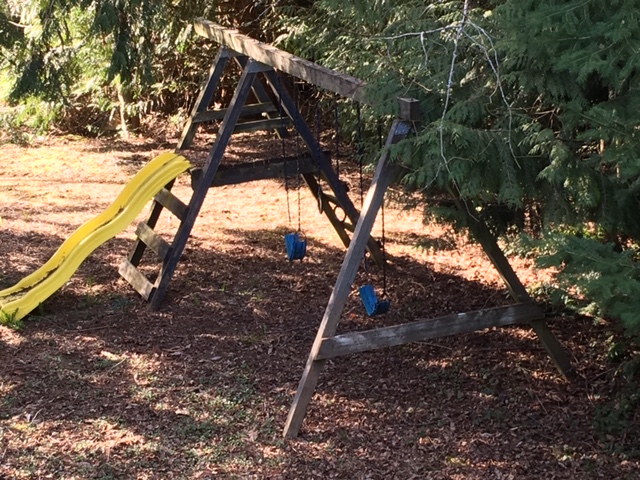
20,299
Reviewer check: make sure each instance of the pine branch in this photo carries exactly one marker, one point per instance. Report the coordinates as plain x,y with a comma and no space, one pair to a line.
459,30
491,56
495,67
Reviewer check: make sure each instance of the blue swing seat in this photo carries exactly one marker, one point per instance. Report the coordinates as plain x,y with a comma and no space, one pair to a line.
372,304
296,247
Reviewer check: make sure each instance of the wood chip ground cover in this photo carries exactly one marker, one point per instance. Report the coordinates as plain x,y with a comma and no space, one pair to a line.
97,386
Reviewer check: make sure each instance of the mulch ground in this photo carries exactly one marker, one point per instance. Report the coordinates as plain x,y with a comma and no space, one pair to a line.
97,386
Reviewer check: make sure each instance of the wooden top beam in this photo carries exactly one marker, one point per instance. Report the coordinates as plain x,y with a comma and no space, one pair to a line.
344,85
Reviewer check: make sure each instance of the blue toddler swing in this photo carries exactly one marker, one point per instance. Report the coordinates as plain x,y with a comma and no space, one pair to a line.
296,246
295,242
373,304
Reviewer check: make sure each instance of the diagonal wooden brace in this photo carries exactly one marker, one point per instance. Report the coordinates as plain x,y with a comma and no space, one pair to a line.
342,288
209,172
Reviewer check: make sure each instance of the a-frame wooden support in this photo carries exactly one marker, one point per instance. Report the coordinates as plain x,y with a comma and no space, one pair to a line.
312,166
170,254
200,113
329,345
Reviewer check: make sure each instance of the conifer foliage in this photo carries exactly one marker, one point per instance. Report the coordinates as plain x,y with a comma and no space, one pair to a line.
532,112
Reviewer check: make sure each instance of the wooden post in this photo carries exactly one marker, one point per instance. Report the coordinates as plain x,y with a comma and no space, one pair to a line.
209,172
410,109
342,288
205,97
517,290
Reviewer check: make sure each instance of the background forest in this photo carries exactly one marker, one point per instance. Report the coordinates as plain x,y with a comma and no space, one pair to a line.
531,108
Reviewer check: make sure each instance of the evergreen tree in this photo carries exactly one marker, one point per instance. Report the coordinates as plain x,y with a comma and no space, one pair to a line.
531,106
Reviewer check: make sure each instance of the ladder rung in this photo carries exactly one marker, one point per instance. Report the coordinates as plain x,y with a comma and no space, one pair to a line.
172,203
253,109
154,241
137,280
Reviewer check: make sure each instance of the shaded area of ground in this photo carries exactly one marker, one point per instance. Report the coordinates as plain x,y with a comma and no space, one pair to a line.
97,386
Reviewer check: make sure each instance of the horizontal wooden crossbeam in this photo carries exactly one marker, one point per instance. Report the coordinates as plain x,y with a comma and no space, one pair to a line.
154,241
344,85
258,125
253,109
236,173
425,329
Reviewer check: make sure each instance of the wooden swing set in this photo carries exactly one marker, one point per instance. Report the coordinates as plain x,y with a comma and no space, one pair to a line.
256,58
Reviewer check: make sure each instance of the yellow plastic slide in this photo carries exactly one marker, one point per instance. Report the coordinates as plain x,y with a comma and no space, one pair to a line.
17,301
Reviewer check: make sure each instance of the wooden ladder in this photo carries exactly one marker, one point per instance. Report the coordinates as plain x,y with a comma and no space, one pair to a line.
146,237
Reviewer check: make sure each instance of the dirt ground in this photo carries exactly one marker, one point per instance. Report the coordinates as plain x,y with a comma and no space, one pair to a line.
96,386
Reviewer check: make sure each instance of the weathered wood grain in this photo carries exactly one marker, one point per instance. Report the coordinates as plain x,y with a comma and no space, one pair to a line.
172,203
247,110
237,173
137,280
154,241
342,84
425,329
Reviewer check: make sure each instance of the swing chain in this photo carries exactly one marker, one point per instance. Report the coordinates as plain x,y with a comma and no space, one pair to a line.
286,176
360,152
297,103
295,245
336,121
319,193
383,240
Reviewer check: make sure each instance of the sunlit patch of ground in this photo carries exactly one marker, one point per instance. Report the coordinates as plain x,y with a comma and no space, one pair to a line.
97,386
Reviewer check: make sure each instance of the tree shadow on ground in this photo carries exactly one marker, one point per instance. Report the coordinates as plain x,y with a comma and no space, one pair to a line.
202,387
